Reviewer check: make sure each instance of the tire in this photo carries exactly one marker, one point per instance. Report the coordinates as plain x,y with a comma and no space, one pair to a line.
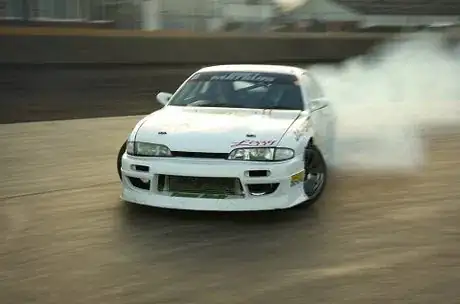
120,155
309,184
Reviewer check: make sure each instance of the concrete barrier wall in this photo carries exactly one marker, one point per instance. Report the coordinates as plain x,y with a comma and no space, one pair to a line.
32,46
103,46
33,89
58,24
39,94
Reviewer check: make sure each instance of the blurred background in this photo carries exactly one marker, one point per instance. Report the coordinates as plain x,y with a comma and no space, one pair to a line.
236,15
386,231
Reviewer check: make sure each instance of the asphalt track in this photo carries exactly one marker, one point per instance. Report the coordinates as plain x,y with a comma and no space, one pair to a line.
67,238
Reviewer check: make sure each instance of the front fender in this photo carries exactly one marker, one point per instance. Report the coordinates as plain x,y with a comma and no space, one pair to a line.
298,135
132,135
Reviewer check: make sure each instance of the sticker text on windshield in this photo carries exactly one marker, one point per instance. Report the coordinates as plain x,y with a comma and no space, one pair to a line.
243,77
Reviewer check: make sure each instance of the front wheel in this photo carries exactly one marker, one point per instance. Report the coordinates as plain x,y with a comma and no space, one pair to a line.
315,174
120,155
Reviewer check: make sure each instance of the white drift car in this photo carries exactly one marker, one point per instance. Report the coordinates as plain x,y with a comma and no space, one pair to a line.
232,138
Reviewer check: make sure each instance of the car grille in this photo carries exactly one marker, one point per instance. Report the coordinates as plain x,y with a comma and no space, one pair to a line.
199,186
199,154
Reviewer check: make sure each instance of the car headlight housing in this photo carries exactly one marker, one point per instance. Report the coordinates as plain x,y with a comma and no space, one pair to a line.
261,154
137,148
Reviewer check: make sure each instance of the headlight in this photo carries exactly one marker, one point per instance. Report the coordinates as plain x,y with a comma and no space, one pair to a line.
147,149
261,154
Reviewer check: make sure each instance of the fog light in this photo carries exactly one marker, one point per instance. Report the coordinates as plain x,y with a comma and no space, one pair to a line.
145,180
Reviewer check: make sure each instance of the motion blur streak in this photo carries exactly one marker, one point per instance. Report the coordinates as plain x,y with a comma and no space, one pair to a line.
386,99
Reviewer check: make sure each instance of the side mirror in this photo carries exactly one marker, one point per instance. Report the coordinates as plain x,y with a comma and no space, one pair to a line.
163,97
318,104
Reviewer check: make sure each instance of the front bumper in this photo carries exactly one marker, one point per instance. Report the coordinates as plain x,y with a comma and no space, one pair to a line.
143,183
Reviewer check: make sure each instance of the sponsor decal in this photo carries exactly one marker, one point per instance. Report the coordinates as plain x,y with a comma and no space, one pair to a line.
302,129
297,134
243,76
253,143
297,178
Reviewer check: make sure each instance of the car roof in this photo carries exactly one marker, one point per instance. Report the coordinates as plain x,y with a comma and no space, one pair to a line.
257,68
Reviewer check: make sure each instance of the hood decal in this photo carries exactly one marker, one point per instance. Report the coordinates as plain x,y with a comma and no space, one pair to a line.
253,143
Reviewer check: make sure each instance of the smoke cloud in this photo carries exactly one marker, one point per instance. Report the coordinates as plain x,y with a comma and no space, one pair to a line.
385,99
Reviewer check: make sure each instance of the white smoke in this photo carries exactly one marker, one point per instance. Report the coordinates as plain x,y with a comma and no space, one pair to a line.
385,99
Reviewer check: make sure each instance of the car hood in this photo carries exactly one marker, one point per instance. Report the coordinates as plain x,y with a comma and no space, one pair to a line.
217,130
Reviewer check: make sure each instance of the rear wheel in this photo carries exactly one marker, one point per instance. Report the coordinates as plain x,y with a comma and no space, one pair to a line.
315,174
120,155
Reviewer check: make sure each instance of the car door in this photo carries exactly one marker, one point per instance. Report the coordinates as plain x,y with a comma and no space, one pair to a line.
320,113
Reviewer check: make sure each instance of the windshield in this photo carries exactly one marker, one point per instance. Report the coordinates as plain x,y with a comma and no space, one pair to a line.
240,90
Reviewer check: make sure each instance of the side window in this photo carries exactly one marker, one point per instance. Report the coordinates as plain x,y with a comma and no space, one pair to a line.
311,89
314,88
305,87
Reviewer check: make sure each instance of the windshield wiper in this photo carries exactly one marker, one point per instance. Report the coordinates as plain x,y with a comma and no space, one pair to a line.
277,108
209,104
205,103
217,105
